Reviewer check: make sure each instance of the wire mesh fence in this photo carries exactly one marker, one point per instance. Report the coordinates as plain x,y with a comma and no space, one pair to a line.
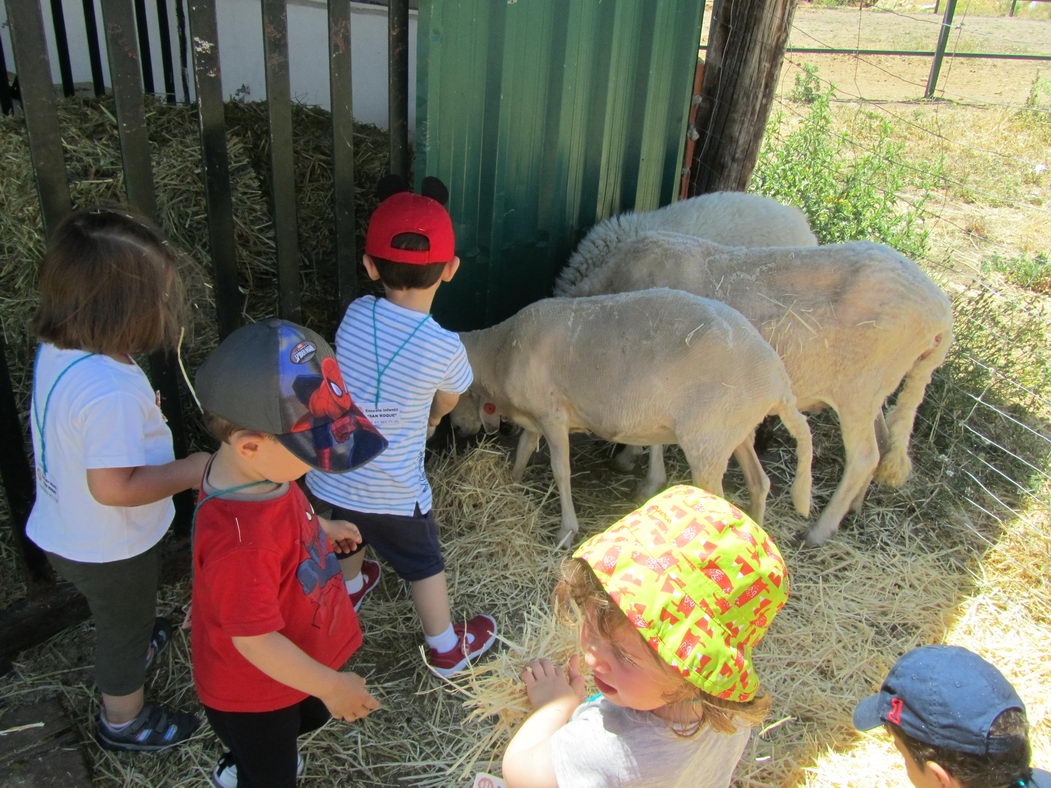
961,184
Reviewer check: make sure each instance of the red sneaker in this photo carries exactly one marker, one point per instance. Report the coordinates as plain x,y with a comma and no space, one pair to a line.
476,636
370,575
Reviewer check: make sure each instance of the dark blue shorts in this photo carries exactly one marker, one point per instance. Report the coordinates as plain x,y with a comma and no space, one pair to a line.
409,544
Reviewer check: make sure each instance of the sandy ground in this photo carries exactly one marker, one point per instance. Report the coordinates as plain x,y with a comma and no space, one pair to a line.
905,78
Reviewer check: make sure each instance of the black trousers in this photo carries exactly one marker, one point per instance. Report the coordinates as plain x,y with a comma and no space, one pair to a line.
263,743
122,596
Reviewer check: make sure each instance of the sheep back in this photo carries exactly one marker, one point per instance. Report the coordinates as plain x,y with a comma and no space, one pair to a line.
727,218
635,367
833,313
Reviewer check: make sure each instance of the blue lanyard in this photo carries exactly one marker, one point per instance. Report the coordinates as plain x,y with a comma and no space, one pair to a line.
224,491
41,418
376,349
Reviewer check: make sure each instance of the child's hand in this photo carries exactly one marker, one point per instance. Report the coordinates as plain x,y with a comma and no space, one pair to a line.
345,535
349,700
196,463
546,682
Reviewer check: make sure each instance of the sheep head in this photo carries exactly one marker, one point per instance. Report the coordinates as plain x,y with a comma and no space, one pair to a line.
475,410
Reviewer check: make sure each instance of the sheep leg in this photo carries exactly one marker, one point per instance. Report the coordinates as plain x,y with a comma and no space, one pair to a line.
706,466
624,460
656,477
755,477
882,433
859,499
528,441
797,426
557,436
862,455
895,466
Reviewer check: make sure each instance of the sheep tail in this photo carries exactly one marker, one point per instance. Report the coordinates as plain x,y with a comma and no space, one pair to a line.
797,426
895,465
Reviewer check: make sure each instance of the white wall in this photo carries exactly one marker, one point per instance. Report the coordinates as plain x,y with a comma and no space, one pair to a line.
241,52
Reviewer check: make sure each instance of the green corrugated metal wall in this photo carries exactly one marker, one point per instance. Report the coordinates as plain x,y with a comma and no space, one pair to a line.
543,117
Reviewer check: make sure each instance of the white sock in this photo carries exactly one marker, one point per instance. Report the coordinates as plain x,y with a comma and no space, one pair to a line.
355,583
114,726
446,641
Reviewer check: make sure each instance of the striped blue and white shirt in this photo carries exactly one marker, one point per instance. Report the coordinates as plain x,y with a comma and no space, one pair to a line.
393,361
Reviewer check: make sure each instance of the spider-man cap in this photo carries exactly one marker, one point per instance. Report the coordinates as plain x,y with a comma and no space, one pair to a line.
283,379
700,582
406,212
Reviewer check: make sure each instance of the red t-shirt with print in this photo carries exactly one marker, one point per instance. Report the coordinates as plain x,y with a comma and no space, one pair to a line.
264,566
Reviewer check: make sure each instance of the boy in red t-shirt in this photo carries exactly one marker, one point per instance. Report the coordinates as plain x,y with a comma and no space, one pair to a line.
272,623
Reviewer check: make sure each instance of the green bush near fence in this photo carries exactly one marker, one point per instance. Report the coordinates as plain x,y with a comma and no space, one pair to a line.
983,410
847,191
1031,272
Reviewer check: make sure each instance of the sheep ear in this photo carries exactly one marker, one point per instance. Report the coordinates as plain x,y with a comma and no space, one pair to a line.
391,184
432,187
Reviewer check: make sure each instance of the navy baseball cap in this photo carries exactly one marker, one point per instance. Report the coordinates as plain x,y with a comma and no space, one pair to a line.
946,696
283,379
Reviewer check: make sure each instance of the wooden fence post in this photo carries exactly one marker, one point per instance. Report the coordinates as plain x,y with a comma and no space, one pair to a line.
745,48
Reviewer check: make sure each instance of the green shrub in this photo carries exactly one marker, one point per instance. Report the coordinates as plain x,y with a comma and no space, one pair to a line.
1038,101
847,192
1030,272
807,88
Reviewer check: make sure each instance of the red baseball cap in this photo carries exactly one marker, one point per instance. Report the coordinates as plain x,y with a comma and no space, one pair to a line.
406,212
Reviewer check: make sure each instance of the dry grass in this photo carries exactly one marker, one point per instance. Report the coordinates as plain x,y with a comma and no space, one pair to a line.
889,581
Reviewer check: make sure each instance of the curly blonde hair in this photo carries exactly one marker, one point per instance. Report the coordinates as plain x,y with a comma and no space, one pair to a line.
579,596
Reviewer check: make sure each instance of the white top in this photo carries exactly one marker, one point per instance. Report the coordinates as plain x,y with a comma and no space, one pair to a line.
604,745
101,414
412,357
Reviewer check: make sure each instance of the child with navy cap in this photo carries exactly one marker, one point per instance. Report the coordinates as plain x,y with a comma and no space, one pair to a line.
956,721
272,623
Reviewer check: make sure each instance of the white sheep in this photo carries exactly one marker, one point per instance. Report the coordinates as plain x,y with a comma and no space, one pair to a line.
654,367
728,218
850,321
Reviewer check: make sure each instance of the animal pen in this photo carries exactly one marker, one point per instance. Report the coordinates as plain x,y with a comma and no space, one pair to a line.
270,210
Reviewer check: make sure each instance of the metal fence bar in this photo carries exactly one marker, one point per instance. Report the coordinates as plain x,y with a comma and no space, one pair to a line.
910,52
15,470
167,65
94,51
126,77
282,167
38,101
144,45
398,85
180,20
341,95
6,104
58,22
208,79
943,39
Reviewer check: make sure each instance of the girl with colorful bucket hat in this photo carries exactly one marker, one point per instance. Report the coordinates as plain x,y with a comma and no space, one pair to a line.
670,600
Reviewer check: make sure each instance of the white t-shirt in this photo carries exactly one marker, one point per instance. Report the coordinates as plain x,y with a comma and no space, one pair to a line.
393,361
604,745
101,414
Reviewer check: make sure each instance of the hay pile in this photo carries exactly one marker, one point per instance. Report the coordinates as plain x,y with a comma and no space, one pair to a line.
94,170
889,581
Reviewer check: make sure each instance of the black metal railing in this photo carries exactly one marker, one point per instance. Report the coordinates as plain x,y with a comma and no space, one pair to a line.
131,76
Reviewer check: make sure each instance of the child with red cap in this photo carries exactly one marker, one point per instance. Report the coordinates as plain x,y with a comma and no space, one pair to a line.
406,372
672,599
